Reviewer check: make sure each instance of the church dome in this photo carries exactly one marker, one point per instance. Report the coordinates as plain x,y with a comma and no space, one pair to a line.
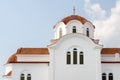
74,24
74,17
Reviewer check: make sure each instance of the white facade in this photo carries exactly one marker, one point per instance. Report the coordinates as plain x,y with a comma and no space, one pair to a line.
113,68
37,71
91,52
74,54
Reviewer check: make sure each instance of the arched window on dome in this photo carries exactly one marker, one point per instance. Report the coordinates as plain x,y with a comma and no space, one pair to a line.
74,29
68,58
110,76
22,77
28,76
81,57
74,56
87,32
103,76
60,33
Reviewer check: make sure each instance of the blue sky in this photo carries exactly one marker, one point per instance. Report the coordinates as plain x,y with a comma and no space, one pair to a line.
29,23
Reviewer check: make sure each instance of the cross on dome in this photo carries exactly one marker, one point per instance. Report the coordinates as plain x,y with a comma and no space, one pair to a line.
74,10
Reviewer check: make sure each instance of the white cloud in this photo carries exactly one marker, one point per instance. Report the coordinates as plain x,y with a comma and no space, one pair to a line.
107,28
94,10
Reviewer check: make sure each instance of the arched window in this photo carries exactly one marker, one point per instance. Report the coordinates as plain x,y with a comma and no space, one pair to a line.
110,76
68,58
103,76
74,56
87,32
22,77
81,57
74,29
60,33
28,76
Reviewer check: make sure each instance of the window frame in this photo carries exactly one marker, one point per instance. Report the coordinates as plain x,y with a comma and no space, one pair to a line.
28,76
104,76
75,56
110,76
68,58
60,32
81,57
87,32
22,76
74,29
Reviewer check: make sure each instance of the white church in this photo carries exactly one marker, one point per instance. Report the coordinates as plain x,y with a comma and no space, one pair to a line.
73,54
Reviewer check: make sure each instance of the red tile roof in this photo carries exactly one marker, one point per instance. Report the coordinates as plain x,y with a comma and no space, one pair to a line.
41,51
110,50
32,51
74,17
43,62
12,58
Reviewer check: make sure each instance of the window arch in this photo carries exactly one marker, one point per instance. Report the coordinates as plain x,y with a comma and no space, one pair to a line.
74,29
60,33
81,57
110,76
28,76
68,57
103,76
87,32
74,56
22,77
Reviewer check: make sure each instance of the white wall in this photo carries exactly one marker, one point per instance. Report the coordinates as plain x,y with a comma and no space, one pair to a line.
90,70
7,78
32,58
78,24
8,68
37,71
110,57
58,26
91,29
111,68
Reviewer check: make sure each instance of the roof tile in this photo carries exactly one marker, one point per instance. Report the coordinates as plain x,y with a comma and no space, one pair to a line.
110,50
32,51
13,58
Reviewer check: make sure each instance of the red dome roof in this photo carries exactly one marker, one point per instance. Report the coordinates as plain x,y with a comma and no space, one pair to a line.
74,17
